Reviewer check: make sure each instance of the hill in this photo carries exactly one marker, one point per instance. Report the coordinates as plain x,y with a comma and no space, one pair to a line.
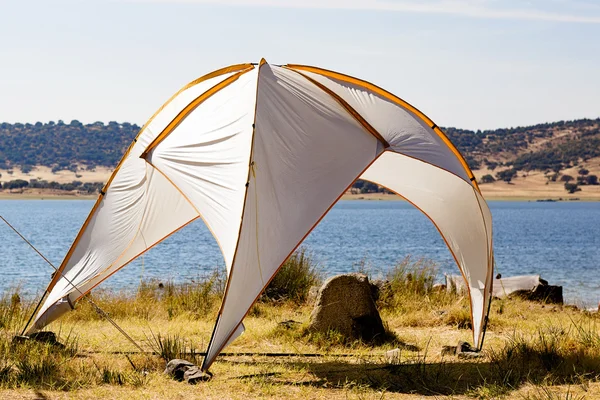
63,146
555,158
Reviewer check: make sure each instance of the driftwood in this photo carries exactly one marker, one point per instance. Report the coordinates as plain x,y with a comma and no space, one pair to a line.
530,287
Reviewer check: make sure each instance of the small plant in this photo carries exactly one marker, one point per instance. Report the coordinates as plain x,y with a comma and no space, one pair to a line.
294,280
171,347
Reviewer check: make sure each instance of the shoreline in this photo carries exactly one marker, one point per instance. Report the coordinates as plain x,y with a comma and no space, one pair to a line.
54,195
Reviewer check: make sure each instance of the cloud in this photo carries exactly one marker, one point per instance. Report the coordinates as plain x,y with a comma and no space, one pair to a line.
488,9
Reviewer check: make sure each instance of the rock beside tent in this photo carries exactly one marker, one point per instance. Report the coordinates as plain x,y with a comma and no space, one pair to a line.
346,305
182,370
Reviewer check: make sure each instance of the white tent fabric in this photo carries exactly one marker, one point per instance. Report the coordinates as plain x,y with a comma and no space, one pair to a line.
129,218
261,153
434,192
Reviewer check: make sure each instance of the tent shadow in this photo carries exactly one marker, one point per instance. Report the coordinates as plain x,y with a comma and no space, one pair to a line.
442,378
449,376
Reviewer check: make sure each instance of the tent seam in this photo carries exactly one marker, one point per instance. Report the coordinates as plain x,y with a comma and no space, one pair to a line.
103,191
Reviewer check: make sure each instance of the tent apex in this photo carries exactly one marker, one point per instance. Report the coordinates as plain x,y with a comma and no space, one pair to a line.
262,61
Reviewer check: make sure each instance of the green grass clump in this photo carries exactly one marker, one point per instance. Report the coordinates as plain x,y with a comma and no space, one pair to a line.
295,278
153,299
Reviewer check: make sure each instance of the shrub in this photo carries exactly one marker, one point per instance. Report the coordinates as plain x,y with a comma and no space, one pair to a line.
572,187
566,178
295,278
487,179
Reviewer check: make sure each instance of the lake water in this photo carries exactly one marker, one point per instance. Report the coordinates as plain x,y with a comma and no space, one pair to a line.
560,241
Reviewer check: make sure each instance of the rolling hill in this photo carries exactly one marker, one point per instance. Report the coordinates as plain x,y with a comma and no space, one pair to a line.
547,156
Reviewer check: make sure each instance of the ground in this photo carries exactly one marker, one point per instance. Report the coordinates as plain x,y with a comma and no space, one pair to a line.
532,351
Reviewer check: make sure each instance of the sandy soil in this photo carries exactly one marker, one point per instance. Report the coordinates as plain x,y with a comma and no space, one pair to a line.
527,186
99,174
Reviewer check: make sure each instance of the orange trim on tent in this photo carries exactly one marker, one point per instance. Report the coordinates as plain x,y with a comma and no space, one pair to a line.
214,74
190,108
346,106
395,99
250,166
445,241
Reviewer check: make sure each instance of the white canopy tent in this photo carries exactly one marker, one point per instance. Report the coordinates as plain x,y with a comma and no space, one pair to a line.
261,153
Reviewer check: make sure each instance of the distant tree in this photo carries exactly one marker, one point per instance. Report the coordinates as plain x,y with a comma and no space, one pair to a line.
566,178
572,187
369,187
591,180
487,179
15,184
583,171
506,175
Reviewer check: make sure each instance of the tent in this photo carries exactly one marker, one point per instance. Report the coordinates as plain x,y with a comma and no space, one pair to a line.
261,153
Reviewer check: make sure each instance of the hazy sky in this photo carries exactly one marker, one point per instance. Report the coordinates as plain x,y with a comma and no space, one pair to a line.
468,63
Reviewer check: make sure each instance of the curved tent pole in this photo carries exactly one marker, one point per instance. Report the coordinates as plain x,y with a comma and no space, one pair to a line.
213,74
395,99
451,252
212,336
203,78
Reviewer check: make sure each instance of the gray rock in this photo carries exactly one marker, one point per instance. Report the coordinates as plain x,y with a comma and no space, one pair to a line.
177,368
465,350
462,350
41,336
345,304
547,294
469,355
194,375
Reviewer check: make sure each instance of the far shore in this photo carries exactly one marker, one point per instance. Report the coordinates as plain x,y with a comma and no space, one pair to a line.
64,195
530,186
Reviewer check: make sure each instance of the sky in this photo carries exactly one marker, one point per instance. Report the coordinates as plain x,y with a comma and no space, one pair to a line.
473,64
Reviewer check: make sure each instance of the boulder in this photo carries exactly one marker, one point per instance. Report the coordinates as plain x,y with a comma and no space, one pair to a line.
345,304
177,368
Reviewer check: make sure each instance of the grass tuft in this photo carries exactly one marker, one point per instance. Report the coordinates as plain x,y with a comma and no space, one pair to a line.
295,278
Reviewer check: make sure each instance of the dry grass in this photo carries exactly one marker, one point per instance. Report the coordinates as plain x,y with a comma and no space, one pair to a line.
532,351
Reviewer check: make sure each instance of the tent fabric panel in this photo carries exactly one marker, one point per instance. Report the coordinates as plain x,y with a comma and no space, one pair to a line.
137,222
487,217
108,233
151,129
207,158
191,107
156,224
455,209
122,205
403,129
307,149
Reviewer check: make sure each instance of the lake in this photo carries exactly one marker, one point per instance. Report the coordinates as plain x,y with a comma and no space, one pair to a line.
558,240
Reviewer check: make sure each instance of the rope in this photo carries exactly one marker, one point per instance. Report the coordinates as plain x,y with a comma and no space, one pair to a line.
247,354
96,307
